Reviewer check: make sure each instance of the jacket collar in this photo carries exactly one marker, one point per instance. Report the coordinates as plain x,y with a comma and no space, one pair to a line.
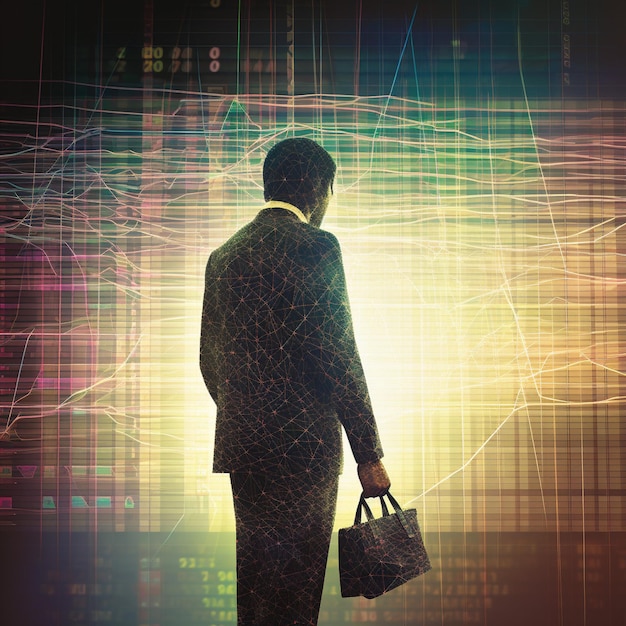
277,204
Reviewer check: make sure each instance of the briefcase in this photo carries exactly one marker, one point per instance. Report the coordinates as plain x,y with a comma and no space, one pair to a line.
382,553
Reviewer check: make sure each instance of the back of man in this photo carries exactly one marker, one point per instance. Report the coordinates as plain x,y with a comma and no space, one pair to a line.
279,358
271,331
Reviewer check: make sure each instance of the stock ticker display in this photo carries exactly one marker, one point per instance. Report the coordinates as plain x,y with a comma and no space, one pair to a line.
480,208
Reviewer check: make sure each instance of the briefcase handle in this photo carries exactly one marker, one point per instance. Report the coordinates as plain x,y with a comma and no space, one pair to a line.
397,508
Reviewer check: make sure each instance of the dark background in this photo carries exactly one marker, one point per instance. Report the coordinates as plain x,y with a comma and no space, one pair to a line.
55,53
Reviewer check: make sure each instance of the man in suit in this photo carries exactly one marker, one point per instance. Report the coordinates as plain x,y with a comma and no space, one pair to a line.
279,358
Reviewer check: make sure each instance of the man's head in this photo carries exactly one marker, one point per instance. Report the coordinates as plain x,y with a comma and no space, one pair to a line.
301,172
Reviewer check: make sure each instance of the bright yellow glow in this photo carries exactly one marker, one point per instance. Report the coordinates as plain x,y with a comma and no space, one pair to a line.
483,282
482,251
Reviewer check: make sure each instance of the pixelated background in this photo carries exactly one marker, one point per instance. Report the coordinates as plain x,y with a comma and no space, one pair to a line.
480,204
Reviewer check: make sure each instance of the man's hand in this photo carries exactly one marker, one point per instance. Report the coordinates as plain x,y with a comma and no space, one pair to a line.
374,479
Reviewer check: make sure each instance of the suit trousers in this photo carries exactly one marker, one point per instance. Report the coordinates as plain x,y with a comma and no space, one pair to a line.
284,525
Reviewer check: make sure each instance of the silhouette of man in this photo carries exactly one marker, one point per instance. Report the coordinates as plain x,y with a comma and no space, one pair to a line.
279,358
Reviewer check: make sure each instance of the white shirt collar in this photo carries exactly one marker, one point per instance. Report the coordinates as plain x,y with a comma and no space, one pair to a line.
277,204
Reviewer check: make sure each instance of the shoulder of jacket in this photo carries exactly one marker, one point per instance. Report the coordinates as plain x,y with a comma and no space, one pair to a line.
317,243
326,238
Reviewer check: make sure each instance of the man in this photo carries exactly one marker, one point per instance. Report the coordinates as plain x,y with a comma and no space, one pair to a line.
278,356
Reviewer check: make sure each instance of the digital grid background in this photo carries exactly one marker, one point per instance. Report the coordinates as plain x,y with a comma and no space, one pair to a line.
480,205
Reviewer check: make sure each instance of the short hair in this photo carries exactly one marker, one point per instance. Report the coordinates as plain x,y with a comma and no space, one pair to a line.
297,170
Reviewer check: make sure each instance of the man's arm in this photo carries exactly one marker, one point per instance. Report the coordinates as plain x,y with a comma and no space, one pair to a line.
208,332
342,367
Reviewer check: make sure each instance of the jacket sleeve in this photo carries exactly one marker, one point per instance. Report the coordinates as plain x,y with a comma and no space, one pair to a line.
209,334
340,362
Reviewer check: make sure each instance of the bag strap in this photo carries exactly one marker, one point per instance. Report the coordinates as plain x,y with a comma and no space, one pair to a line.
401,516
383,506
397,508
394,502
410,531
368,512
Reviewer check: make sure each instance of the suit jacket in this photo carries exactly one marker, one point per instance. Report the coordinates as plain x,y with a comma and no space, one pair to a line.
278,354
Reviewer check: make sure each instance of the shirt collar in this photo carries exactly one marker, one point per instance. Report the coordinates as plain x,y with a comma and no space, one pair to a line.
277,204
